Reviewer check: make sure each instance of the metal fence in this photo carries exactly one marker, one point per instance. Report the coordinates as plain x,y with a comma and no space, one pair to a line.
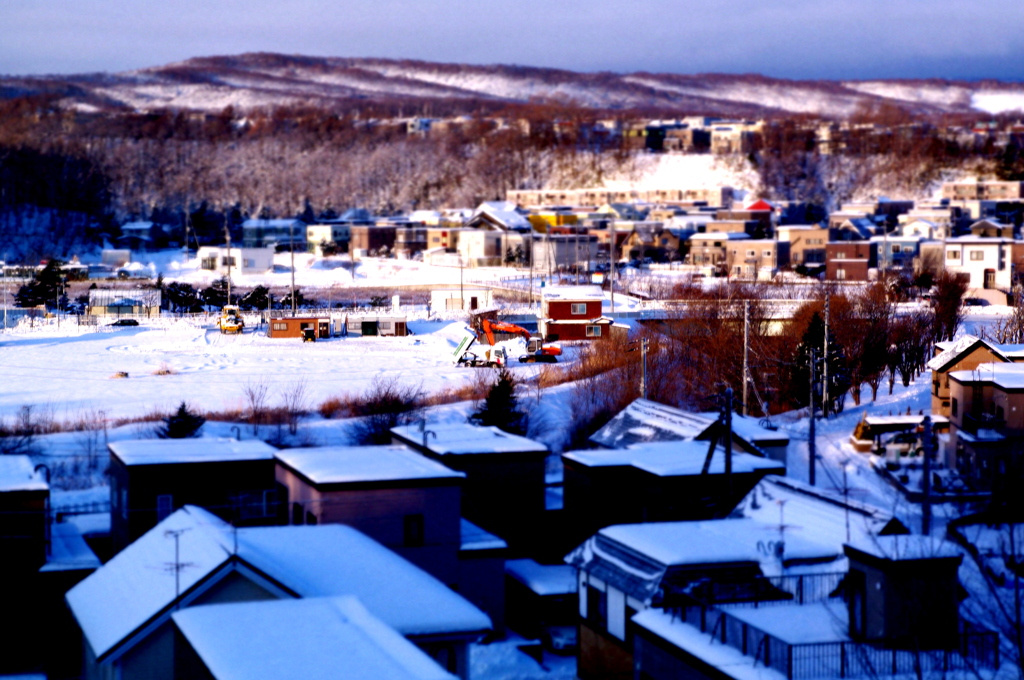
975,649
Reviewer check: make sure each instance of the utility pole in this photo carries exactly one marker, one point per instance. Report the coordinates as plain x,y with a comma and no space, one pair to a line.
746,353
611,261
824,365
531,266
727,418
811,442
926,478
291,242
462,293
227,237
645,344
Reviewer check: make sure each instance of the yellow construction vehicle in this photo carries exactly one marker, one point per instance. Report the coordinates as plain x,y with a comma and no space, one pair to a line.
231,320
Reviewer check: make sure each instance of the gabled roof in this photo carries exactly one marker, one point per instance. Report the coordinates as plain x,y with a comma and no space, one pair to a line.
301,640
759,205
962,347
463,438
138,585
672,459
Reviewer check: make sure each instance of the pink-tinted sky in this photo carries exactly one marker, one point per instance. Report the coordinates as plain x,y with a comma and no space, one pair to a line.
786,38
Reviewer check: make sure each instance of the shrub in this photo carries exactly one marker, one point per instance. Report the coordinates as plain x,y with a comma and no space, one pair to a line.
181,424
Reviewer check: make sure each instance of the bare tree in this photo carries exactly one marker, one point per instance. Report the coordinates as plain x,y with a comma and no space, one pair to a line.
255,394
296,403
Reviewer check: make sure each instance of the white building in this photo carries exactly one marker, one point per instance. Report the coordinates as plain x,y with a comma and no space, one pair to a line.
238,260
987,261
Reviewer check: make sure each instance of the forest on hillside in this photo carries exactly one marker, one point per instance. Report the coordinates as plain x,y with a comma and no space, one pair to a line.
68,178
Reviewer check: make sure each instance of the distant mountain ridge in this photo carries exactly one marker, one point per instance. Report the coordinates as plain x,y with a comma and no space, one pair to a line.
264,79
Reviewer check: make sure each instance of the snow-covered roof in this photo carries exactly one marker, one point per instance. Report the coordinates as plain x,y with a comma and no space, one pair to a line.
475,538
713,542
1006,376
572,293
354,464
674,458
279,223
720,236
301,639
798,624
68,550
908,547
951,352
194,450
645,421
138,584
543,579
17,474
463,438
978,240
506,213
669,627
812,513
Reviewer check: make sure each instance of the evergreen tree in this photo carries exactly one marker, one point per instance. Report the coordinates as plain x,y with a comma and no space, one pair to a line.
216,295
256,299
45,288
501,406
838,382
181,425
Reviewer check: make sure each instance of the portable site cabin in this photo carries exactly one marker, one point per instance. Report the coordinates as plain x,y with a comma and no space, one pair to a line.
141,302
386,325
295,327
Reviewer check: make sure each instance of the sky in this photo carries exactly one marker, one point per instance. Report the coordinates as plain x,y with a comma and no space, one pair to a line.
783,38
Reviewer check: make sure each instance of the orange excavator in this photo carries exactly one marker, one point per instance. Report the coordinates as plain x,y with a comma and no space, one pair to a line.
536,350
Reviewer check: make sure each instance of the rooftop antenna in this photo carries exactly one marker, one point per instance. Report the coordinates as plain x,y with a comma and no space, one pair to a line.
177,566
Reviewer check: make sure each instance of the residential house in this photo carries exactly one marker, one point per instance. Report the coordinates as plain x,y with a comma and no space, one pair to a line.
194,558
141,235
489,248
991,228
558,252
227,261
884,208
500,216
572,313
284,639
410,240
326,233
24,505
965,354
370,240
653,240
849,261
151,478
894,252
443,237
901,613
628,569
657,482
505,480
762,212
852,229
277,233
806,243
925,229
987,262
397,497
686,140
756,258
734,138
710,249
986,417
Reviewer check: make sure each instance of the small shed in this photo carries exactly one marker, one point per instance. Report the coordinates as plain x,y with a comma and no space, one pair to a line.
377,324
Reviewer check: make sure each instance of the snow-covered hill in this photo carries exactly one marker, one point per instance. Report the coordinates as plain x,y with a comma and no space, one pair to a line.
248,80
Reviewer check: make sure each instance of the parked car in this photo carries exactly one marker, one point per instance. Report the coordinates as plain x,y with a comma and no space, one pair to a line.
124,322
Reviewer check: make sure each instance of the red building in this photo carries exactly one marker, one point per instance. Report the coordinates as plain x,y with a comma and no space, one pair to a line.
849,260
573,313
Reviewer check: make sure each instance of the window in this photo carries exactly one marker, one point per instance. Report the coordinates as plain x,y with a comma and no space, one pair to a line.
597,606
164,506
840,274
952,254
579,308
751,253
280,326
977,255
896,249
593,331
839,256
227,262
767,253
413,531
954,407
